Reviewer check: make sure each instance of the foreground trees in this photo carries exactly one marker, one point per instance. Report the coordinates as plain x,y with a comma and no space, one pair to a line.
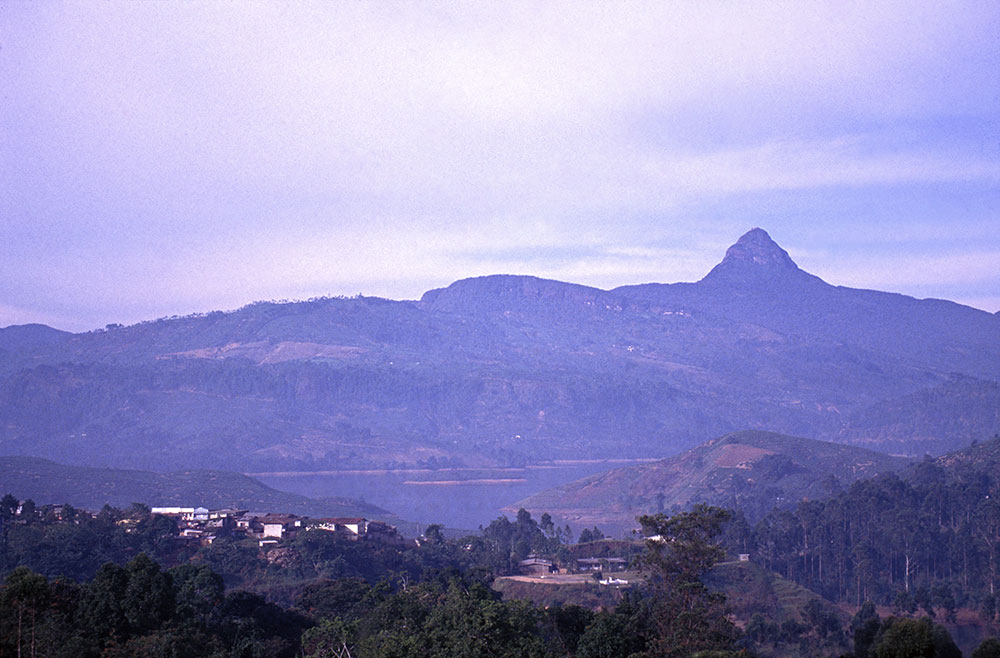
140,610
448,611
341,598
676,616
688,617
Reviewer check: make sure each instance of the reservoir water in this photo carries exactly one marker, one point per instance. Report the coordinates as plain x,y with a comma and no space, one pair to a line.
459,498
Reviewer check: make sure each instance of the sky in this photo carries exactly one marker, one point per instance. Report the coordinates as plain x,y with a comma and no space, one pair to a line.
166,158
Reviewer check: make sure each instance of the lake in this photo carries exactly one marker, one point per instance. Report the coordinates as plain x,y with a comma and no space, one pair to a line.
457,497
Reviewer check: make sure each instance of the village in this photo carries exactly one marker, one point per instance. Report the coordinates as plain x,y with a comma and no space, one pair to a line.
200,526
203,526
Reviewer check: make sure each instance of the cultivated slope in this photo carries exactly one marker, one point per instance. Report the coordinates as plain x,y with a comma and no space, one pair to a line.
752,471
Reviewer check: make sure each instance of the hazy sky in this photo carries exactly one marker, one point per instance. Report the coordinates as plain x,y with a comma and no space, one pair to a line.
161,158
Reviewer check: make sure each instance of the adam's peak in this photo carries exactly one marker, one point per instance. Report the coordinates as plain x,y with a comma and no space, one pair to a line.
757,247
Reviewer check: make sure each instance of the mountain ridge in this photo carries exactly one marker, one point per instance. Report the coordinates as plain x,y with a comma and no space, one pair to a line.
505,369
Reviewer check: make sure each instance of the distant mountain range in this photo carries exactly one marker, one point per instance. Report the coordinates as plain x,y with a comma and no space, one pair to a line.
509,370
751,471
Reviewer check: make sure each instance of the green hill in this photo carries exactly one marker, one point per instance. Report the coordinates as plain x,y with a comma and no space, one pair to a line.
751,471
91,488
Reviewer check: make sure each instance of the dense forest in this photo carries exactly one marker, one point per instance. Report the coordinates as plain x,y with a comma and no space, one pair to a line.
926,540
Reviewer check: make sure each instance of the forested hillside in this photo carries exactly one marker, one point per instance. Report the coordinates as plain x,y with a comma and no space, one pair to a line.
927,538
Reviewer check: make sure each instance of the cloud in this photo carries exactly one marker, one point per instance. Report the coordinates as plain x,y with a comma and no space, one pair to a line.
894,272
204,156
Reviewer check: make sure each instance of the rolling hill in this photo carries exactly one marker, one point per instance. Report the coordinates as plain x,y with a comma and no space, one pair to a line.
91,488
751,470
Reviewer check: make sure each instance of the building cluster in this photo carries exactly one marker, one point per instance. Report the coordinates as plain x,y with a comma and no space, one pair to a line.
202,525
25,511
535,566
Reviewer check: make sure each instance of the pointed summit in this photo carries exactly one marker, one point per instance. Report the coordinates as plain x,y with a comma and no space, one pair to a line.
756,247
755,258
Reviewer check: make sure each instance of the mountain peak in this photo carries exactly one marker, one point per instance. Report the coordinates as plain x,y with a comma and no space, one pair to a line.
756,247
754,257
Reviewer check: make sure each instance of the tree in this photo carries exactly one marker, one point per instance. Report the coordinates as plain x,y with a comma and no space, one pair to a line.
988,608
547,526
905,638
433,534
688,617
138,511
8,507
198,591
457,619
762,631
149,595
100,610
331,638
609,637
625,632
904,603
570,621
988,648
26,592
942,596
28,511
823,620
914,638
